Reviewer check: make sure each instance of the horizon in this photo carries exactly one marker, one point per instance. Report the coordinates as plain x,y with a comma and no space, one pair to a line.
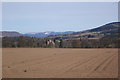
53,31
25,17
38,32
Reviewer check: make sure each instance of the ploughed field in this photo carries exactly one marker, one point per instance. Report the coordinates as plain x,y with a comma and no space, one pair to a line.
59,63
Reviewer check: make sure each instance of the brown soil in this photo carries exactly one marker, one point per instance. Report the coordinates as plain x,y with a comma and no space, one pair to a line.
59,63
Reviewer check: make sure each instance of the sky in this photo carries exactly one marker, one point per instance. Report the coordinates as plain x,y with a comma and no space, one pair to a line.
27,17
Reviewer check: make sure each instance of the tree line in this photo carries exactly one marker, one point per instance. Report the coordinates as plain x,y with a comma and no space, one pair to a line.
33,42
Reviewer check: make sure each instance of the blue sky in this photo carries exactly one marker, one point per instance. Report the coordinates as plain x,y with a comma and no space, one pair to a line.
57,16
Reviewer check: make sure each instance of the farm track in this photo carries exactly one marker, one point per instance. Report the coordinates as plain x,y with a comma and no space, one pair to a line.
59,63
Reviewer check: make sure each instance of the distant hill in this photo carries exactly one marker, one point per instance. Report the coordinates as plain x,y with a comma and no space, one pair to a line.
46,34
10,34
33,34
108,28
91,33
96,33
